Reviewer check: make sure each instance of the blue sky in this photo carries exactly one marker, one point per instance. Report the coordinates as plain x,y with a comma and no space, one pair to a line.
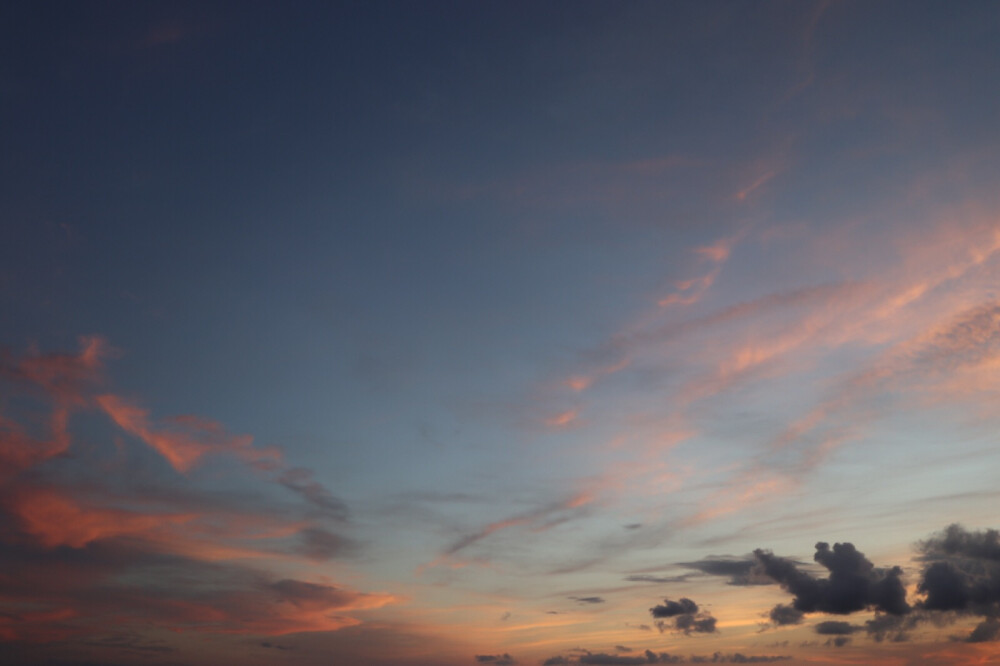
455,333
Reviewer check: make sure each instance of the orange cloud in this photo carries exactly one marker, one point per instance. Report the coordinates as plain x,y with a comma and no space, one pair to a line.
64,376
56,520
19,451
562,419
189,439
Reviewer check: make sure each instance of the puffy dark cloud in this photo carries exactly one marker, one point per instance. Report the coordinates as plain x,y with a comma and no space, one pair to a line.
836,628
496,659
783,614
685,615
673,608
962,575
837,641
962,572
896,628
987,630
854,583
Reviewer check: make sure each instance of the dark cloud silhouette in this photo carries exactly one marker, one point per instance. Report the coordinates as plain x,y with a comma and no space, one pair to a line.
650,657
589,600
673,608
987,630
837,641
737,658
963,571
782,615
854,583
836,628
612,659
892,628
496,659
962,575
740,571
702,623
645,578
685,615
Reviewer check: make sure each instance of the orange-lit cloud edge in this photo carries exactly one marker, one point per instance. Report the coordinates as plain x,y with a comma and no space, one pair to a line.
84,556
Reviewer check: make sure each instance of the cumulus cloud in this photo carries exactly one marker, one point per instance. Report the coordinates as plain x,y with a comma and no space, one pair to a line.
782,615
673,608
854,583
962,575
685,615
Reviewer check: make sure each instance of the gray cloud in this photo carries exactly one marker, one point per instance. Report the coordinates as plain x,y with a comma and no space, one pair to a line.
836,628
685,615
740,571
854,584
673,608
782,615
645,578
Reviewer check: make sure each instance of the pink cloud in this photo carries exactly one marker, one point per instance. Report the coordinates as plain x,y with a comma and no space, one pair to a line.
184,440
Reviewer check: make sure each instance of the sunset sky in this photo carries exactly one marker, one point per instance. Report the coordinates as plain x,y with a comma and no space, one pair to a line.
493,333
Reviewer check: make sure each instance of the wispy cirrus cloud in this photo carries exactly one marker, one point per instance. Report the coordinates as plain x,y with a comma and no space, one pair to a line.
159,556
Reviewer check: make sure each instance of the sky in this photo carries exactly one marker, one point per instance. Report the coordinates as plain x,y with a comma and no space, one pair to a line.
536,333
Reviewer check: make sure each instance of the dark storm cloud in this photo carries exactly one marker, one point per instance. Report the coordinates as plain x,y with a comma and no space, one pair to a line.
740,571
836,628
854,583
782,615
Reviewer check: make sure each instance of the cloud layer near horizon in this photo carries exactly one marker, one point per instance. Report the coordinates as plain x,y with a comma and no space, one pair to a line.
86,541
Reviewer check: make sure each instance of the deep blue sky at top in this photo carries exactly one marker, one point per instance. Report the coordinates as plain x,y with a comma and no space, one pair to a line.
259,198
